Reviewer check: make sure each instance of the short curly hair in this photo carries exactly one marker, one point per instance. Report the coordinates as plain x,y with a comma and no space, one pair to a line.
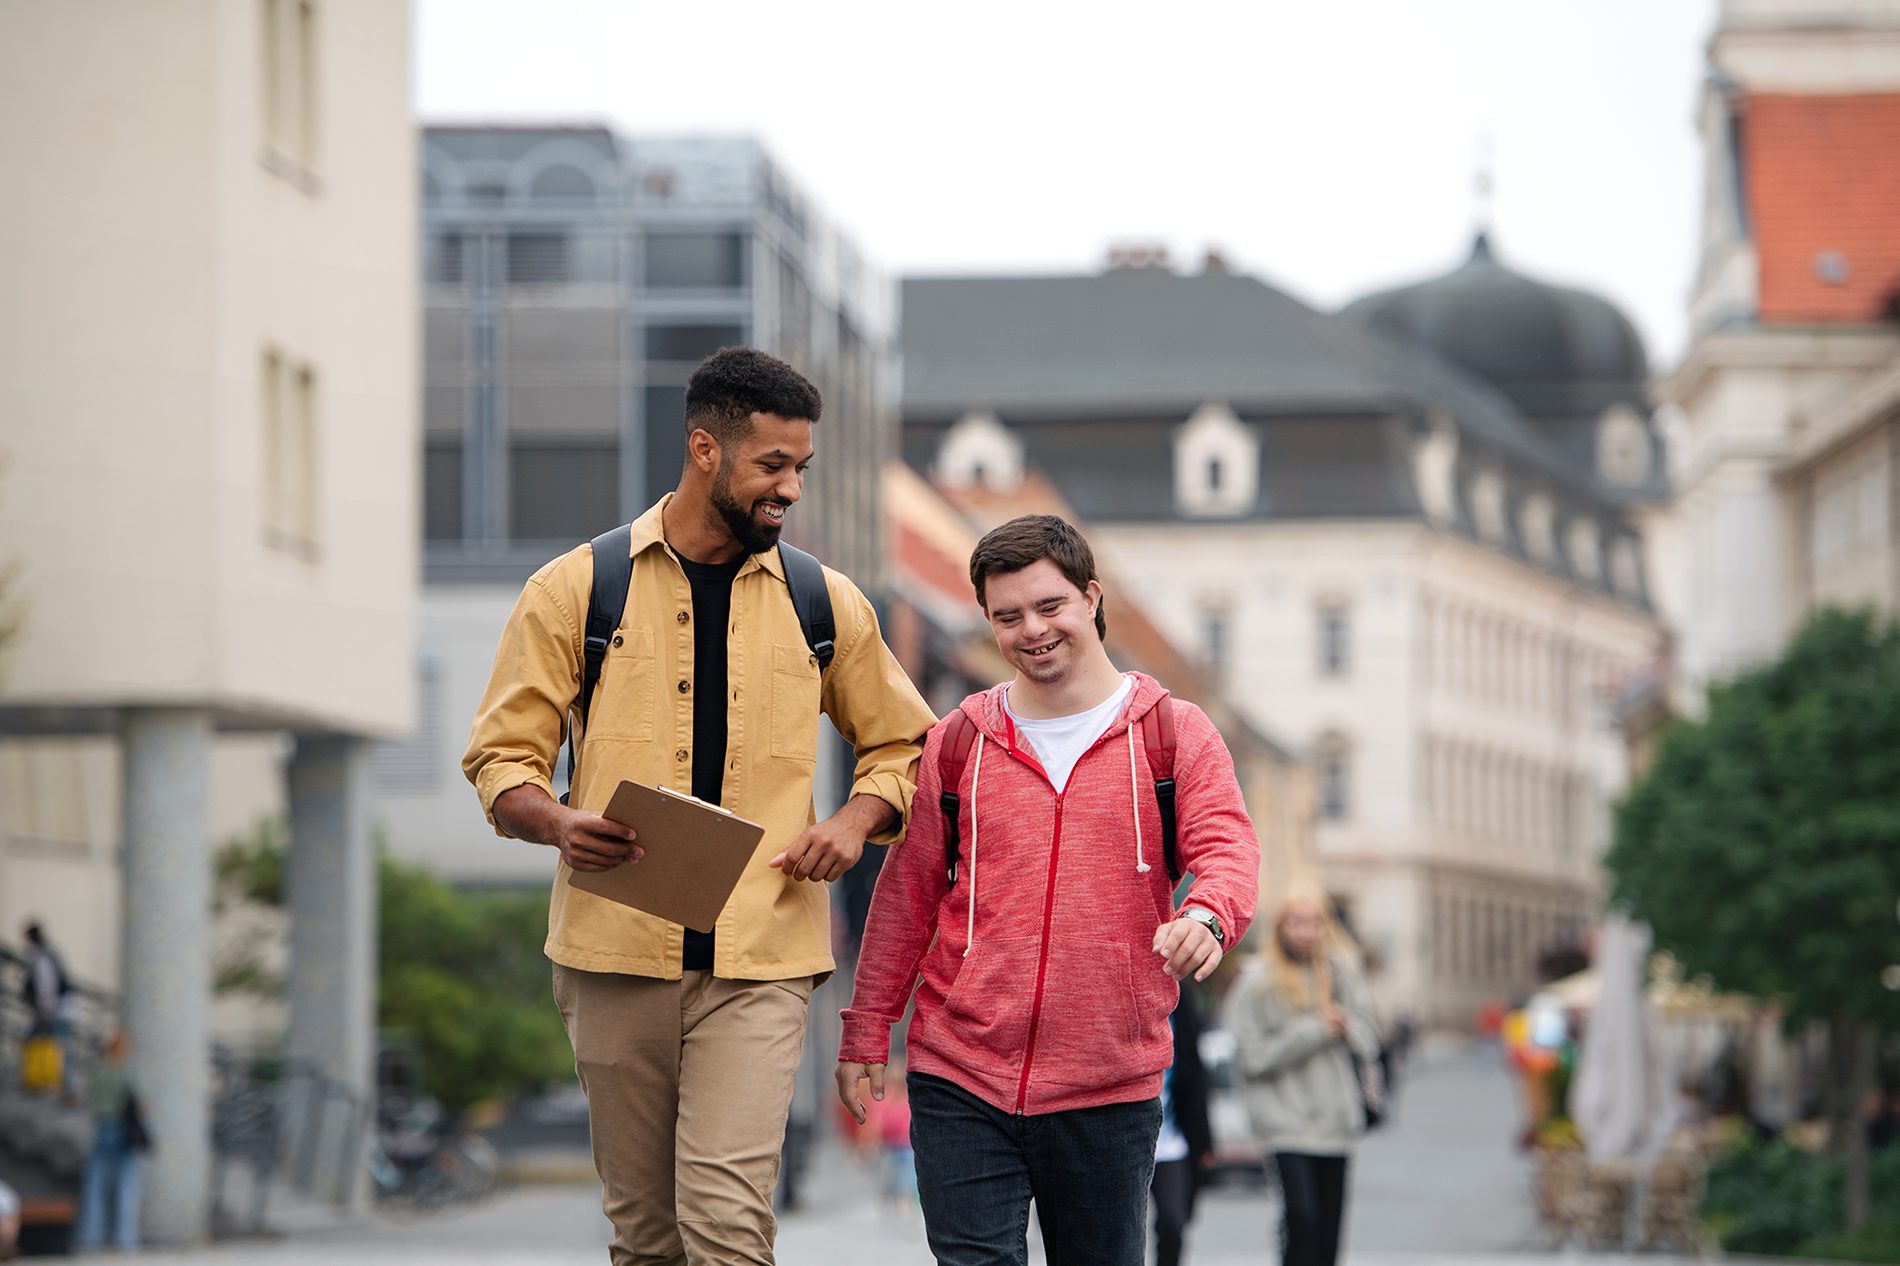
736,382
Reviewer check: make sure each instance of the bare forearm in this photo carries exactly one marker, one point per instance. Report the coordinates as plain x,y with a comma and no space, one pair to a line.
529,813
869,815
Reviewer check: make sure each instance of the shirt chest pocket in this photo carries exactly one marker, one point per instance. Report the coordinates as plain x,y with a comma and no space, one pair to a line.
795,702
629,679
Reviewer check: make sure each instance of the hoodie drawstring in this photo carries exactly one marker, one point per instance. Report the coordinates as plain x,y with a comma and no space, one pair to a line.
976,776
1134,797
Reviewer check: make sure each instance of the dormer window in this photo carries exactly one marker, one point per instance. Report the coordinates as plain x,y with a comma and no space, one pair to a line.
1623,456
1216,464
980,452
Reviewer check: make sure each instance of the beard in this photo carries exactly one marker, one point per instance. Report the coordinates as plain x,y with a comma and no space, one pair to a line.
755,536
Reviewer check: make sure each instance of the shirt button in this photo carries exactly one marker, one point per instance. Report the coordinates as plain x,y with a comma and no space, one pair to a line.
682,617
685,686
617,639
681,755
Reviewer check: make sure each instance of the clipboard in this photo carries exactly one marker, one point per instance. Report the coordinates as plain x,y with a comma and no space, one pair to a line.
694,855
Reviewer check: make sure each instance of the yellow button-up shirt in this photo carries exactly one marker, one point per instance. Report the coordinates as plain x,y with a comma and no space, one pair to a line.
640,727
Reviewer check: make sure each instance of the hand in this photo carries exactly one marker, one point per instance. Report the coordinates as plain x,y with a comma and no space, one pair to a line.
850,1073
594,843
832,847
1335,1020
1188,948
587,840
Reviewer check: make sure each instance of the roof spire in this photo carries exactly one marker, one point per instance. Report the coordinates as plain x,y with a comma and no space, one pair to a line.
1483,181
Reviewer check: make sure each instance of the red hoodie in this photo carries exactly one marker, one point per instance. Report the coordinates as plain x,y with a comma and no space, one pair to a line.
1037,985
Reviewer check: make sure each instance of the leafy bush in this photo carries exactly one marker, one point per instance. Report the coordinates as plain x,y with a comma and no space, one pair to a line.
1773,1198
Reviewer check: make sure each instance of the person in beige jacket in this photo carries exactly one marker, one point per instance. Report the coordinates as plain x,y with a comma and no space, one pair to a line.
1300,1017
687,1043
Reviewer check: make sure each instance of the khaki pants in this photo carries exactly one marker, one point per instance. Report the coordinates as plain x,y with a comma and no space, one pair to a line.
688,1083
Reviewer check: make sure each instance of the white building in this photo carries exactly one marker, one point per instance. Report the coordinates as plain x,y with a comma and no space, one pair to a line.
1790,389
208,418
1403,536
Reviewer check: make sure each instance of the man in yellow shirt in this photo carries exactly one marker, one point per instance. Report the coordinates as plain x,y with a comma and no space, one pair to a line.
687,1043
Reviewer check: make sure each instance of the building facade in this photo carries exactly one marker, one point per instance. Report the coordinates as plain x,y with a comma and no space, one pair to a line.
572,279
1425,574
207,413
1789,391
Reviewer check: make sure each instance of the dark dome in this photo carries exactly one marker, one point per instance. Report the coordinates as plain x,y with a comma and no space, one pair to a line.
1552,351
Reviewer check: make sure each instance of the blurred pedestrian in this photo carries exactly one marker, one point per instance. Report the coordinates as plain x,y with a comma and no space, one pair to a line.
9,1221
1184,1151
1040,918
712,677
1308,1053
110,1190
48,996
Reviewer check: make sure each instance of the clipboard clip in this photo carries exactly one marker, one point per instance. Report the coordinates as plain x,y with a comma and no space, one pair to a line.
692,799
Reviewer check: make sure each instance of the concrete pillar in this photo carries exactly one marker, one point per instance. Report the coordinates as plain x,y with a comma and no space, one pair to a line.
167,952
330,883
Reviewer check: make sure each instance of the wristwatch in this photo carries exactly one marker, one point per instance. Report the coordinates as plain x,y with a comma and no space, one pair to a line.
1209,920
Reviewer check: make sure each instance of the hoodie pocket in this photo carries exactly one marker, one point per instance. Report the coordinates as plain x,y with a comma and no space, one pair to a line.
987,1008
1089,1031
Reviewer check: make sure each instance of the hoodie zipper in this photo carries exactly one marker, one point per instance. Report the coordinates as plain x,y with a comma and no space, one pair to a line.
1042,958
1049,896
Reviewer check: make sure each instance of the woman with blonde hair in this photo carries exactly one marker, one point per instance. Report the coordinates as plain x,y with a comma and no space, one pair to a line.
1302,1022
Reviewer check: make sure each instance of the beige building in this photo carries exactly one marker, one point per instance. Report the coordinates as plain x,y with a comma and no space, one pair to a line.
208,417
1785,464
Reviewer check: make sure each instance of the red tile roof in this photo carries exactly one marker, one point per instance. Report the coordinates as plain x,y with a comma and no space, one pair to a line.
1823,176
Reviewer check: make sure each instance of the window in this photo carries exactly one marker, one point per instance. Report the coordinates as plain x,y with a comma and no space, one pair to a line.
537,258
690,342
442,490
445,262
562,491
288,411
1214,642
1213,474
1335,779
287,66
1335,634
694,261
665,440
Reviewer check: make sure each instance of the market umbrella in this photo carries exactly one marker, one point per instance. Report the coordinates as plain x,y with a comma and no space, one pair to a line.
1622,1101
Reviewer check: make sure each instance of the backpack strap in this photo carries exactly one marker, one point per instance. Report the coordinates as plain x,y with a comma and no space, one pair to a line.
959,735
811,598
613,572
1157,735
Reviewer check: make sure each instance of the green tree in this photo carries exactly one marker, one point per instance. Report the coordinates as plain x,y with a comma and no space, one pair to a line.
463,977
460,979
1764,846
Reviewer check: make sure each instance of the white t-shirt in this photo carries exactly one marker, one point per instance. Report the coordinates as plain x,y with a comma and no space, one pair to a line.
1060,741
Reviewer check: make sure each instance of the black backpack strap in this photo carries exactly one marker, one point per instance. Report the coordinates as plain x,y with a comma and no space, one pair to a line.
959,735
1157,735
811,598
613,573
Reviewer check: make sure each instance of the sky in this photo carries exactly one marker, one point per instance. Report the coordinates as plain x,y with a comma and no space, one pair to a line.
1332,149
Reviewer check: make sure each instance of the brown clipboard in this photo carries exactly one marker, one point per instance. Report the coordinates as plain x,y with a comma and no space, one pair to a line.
694,855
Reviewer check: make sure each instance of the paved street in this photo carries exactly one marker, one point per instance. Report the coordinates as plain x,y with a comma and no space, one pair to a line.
1440,1187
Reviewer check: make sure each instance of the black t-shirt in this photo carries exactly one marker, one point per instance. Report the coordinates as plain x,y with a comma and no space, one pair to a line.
712,612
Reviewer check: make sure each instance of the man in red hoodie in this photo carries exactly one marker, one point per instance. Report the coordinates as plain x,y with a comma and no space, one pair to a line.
1046,968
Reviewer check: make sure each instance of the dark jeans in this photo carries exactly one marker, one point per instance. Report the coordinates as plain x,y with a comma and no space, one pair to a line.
978,1169
1313,1189
1174,1186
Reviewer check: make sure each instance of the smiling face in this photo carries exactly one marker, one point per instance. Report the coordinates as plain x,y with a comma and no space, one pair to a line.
1044,625
760,477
